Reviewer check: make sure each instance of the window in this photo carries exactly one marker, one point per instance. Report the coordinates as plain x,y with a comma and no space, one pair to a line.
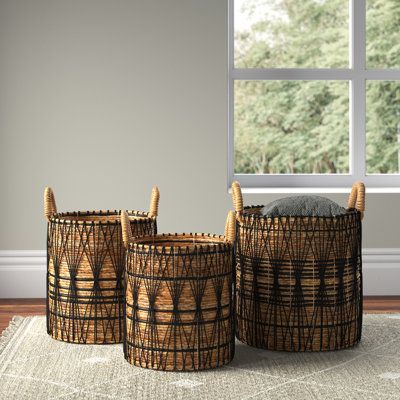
314,93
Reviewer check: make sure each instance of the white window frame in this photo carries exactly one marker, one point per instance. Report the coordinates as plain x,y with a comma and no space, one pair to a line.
357,74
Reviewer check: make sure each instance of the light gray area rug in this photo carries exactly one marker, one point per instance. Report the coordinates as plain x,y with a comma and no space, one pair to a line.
34,366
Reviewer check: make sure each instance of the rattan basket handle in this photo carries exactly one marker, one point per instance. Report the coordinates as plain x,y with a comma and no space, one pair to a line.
155,198
126,229
230,227
50,207
357,197
237,198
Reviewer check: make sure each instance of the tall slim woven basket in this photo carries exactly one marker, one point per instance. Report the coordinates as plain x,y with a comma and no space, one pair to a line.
179,300
299,279
85,271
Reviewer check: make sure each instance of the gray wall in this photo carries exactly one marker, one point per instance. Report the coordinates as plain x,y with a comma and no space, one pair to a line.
103,99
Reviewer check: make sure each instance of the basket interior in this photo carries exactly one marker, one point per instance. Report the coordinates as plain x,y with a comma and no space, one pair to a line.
180,240
98,216
255,211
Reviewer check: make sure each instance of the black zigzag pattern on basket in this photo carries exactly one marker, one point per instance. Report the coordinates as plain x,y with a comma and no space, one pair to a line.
85,278
179,311
299,281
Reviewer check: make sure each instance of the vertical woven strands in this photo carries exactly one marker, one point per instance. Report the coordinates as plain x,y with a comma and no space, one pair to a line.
179,302
299,281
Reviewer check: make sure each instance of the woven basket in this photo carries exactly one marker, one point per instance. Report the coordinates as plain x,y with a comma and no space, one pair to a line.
85,270
299,279
179,300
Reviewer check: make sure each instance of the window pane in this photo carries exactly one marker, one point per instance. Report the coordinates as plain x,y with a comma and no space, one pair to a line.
291,33
383,127
383,34
284,127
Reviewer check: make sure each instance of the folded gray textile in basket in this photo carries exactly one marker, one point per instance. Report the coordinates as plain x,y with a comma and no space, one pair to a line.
304,206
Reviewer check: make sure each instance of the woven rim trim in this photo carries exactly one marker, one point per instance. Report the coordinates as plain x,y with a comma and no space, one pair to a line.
62,218
216,242
249,215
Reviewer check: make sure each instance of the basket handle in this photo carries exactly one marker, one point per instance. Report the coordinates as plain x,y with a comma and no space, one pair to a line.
155,198
357,197
230,227
50,207
126,229
237,198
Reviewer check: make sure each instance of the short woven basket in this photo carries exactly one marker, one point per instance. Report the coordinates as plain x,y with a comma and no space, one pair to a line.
85,271
299,279
179,300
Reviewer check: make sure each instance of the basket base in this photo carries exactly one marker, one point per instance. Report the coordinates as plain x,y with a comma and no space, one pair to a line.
206,364
271,346
84,332
88,342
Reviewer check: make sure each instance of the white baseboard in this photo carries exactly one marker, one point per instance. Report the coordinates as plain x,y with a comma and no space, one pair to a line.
381,270
23,273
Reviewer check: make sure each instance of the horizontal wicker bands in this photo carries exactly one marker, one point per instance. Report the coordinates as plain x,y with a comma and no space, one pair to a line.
206,249
95,317
178,322
181,278
82,279
168,310
84,299
225,347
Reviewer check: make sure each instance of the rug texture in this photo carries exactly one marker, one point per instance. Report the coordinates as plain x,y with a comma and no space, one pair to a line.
34,366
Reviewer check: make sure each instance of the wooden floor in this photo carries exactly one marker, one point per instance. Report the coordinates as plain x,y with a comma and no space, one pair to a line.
25,307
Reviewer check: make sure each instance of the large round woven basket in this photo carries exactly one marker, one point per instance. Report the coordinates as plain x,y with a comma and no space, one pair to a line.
299,279
85,271
179,300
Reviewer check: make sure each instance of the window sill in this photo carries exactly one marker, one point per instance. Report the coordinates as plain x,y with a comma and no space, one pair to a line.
319,190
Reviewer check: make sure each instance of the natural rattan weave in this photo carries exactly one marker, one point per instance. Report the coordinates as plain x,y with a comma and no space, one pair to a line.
85,271
299,279
179,300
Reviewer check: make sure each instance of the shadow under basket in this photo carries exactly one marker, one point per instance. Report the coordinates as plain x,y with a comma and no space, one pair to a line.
179,302
298,278
85,274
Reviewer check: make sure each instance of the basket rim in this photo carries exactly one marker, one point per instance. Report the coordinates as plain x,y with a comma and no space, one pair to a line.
149,242
62,217
248,215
